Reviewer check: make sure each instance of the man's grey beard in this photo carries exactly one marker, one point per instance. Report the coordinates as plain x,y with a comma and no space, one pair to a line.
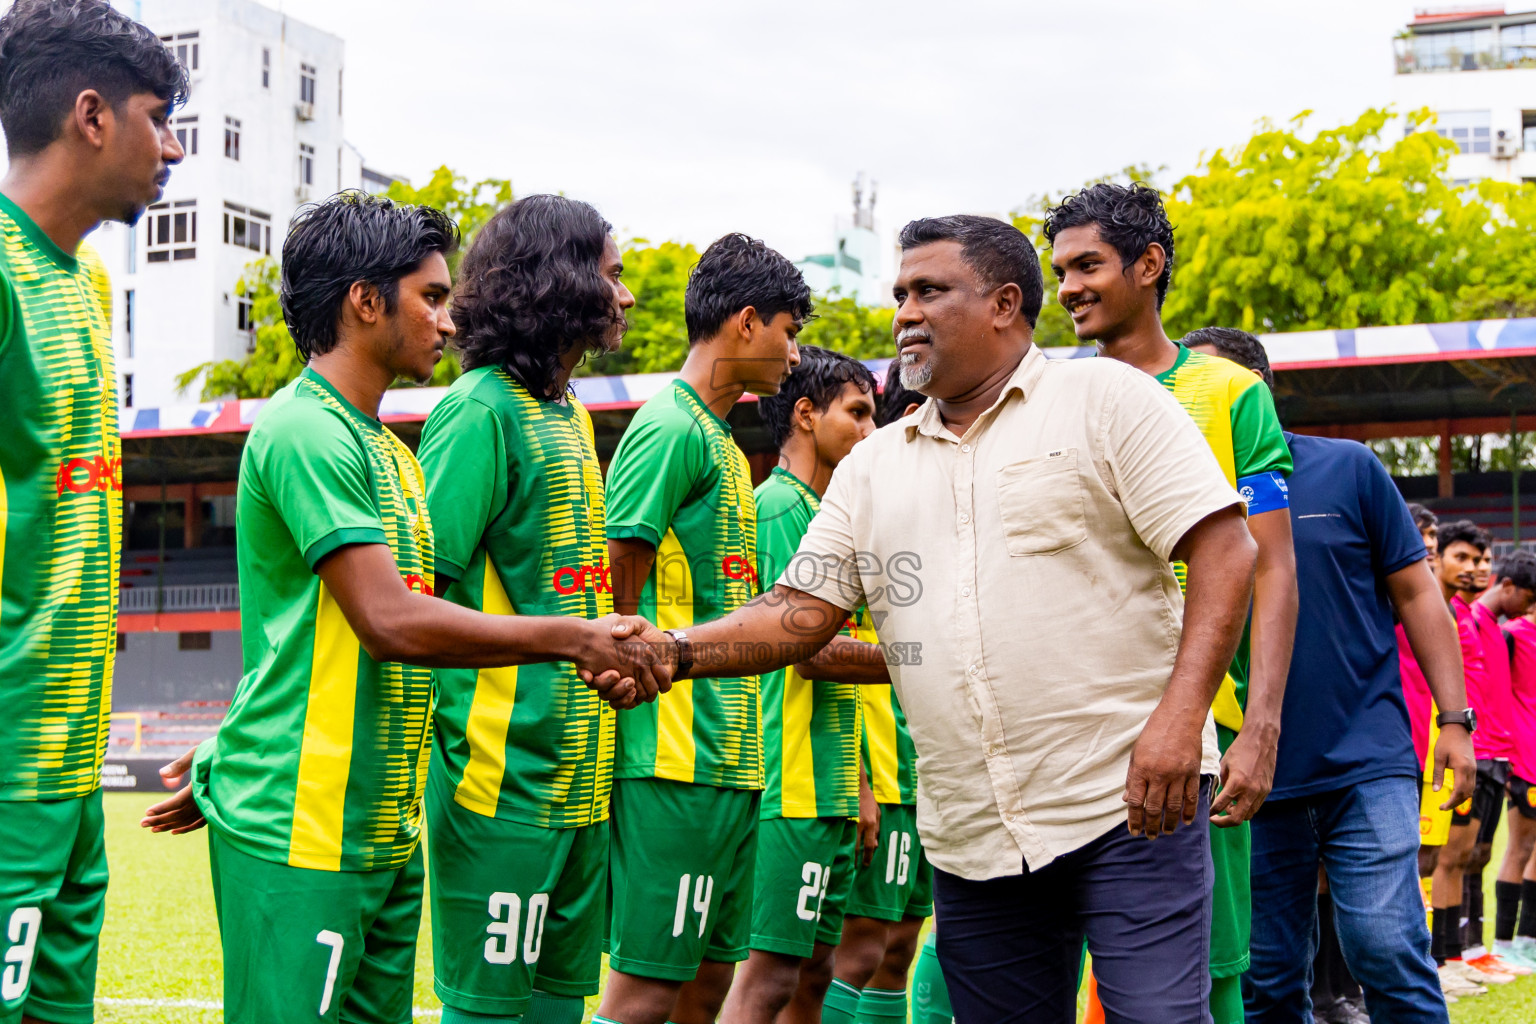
916,376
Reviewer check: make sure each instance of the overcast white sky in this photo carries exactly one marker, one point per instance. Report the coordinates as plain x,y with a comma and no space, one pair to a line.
684,119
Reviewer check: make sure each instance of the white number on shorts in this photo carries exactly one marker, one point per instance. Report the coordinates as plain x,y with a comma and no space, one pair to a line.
21,931
337,944
501,947
815,876
898,862
703,888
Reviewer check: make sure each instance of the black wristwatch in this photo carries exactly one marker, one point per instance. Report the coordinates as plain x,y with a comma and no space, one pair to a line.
684,652
1467,718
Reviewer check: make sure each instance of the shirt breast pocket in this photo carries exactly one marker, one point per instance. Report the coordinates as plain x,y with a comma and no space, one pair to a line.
1040,502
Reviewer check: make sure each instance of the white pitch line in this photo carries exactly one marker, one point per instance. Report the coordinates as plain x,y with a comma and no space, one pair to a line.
214,1004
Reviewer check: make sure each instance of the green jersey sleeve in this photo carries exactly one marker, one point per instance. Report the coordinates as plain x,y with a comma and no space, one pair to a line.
463,456
1258,444
654,471
315,475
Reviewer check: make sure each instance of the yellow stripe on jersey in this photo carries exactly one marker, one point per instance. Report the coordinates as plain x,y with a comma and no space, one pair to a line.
675,750
1206,394
490,715
880,727
798,788
325,757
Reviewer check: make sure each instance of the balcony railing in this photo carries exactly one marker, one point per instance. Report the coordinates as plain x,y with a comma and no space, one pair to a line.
200,597
1413,60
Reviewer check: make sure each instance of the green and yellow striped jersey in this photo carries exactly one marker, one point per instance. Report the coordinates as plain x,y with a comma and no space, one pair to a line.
680,482
890,758
61,513
516,494
1236,414
321,759
811,728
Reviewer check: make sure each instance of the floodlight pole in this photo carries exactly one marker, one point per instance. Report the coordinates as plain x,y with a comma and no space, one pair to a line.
1514,472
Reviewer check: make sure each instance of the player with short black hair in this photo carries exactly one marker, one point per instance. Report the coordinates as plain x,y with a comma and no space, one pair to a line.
810,831
85,100
313,784
682,549
522,758
1112,252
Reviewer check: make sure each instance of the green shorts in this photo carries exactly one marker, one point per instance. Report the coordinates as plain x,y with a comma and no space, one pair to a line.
53,892
515,907
1231,901
898,882
801,883
680,876
302,944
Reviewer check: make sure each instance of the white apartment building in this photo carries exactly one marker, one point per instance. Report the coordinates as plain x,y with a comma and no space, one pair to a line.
1476,68
263,134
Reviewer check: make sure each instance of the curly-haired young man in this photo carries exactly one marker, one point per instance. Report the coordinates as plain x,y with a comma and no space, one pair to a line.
1112,254
85,99
522,766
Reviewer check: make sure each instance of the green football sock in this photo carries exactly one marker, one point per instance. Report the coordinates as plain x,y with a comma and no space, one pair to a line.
930,994
452,1016
841,1005
550,1009
882,1006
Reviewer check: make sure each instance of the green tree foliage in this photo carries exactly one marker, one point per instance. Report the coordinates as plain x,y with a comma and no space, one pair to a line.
843,325
274,361
1340,230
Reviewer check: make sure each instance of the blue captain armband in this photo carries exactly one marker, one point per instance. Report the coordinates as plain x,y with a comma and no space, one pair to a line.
1264,492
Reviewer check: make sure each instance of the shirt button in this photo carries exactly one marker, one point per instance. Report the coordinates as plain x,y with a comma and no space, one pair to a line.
1012,816
965,447
965,517
993,750
975,669
965,591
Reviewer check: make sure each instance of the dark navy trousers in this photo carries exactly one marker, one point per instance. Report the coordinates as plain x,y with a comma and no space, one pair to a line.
1011,947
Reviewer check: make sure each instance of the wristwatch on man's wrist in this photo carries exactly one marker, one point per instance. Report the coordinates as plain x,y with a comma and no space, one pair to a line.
684,652
1467,719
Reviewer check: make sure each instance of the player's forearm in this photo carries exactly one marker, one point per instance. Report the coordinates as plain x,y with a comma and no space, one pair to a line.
1273,632
421,630
846,660
1219,554
629,564
779,628
1431,634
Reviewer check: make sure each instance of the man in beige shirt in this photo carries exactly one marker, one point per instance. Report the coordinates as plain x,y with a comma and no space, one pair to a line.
1012,540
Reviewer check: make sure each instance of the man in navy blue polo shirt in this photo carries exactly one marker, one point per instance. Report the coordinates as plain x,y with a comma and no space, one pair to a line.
1346,793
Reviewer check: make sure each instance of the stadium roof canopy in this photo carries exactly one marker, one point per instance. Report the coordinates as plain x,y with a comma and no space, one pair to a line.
1420,379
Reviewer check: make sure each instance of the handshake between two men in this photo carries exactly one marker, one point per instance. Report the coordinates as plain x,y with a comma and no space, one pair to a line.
629,661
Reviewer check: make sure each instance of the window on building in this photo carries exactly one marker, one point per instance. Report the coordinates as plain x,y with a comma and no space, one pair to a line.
1464,50
306,164
172,229
128,324
306,83
186,133
1528,131
248,228
1519,44
232,138
185,46
128,390
1471,130
266,68
194,641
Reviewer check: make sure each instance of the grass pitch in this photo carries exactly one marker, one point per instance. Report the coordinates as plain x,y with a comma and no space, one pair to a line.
160,961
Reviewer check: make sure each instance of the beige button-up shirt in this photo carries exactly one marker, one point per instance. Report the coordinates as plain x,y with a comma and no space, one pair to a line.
1021,573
